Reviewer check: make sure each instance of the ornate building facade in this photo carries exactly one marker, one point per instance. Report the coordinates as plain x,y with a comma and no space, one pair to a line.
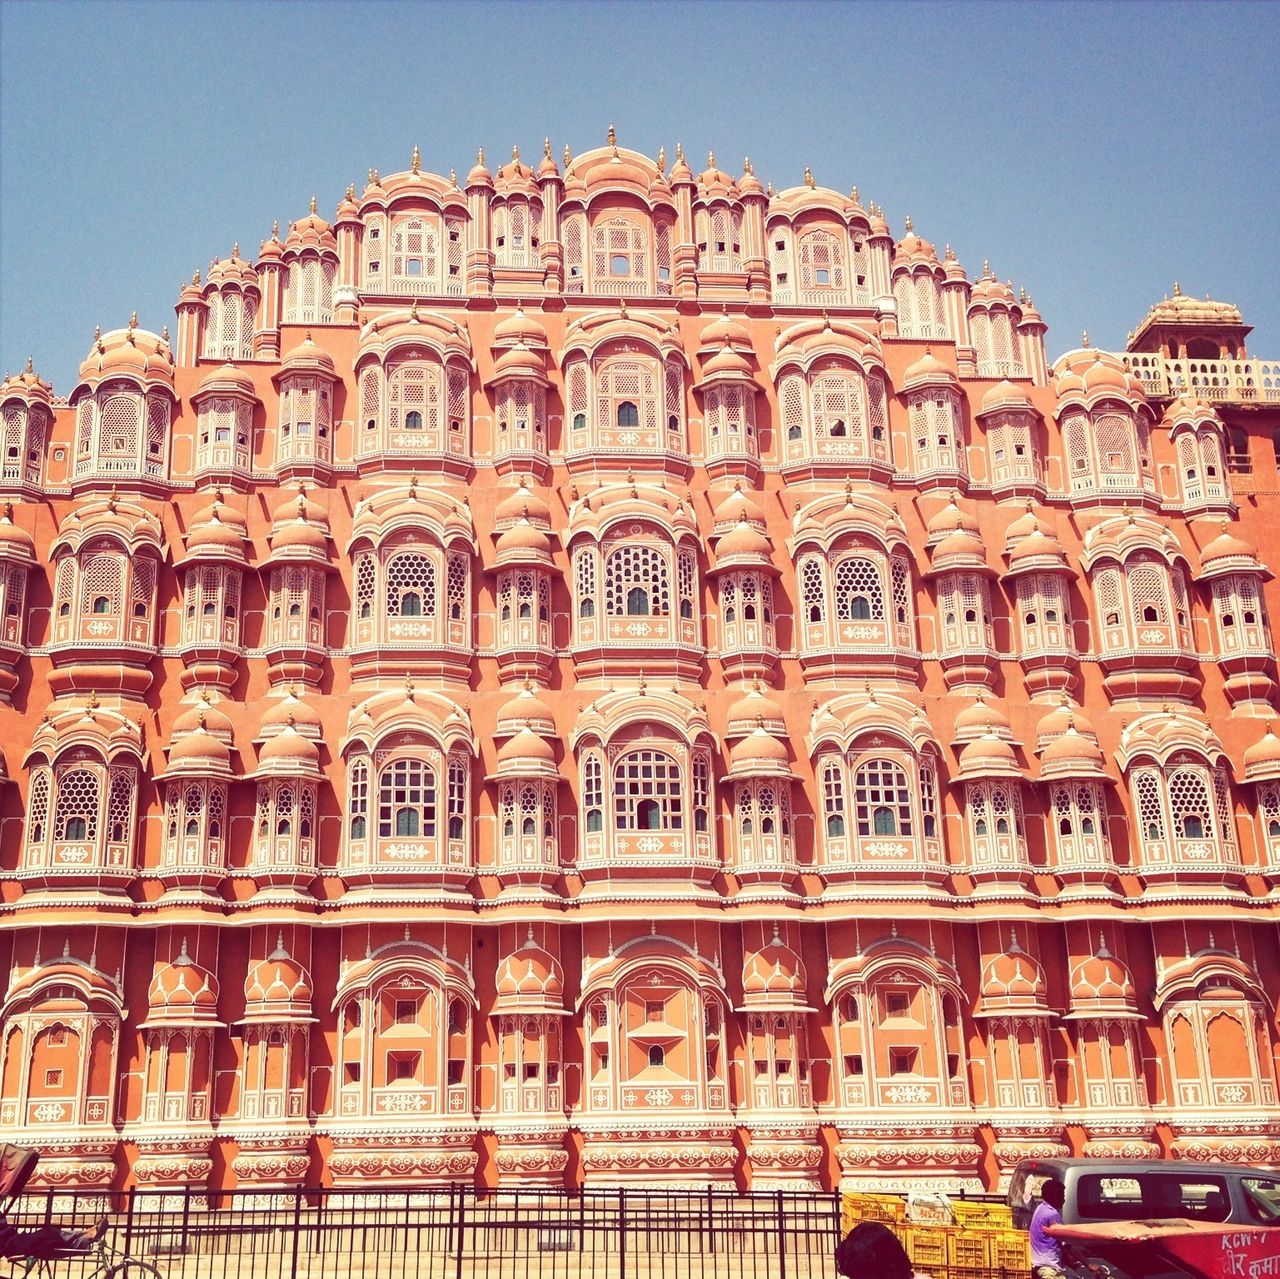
597,672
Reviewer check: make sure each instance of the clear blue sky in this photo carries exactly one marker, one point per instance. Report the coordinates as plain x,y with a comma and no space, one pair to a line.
1093,152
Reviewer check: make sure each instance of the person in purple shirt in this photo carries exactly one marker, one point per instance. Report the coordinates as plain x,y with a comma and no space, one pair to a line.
1046,1251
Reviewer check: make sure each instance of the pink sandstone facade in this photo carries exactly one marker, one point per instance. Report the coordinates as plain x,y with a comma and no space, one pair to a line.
596,673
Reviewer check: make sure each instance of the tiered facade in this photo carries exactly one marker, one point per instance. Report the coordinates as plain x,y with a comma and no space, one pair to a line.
602,673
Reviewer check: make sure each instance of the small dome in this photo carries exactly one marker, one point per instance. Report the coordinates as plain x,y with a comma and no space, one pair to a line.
1101,983
530,979
959,547
519,362
1005,395
1012,981
291,711
15,542
726,363
308,357
774,977
981,718
758,752
1089,374
912,250
951,519
206,715
1072,755
1262,759
288,752
524,503
743,544
928,370
525,709
300,526
311,232
199,753
131,353
216,533
738,506
1227,546
725,331
1038,545
182,991
1027,523
988,289
232,270
989,756
277,987
754,709
1065,715
526,745
225,380
523,541
28,386
519,328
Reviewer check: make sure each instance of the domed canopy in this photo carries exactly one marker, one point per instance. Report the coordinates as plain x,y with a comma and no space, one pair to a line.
951,519
725,331
308,357
198,754
182,994
1064,716
300,530
234,270
928,370
1005,396
759,754
291,711
755,709
774,977
988,756
17,546
744,546
1072,755
289,754
527,755
1188,412
912,251
1183,311
1012,982
523,503
204,714
1101,986
1087,375
526,709
1229,553
217,533
311,232
27,386
987,290
520,362
530,981
520,329
726,365
133,353
523,543
738,506
981,718
1262,759
277,989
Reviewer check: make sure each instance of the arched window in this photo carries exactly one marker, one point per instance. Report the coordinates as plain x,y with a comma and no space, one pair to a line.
593,794
628,414
407,800
833,799
648,792
637,581
859,590
882,799
411,585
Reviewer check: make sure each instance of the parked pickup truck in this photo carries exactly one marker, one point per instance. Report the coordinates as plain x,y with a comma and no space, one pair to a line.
1143,1189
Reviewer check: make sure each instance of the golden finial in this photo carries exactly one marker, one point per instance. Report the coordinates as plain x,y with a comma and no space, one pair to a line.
112,498
662,159
808,177
416,163
746,164
413,311
769,190
853,194
408,688
31,368
275,228
612,136
679,152
133,320
568,155
164,333
351,190
644,684
1084,339
453,177
377,177
1177,289
910,225
413,487
622,303
546,148
986,269
313,204
480,156
711,159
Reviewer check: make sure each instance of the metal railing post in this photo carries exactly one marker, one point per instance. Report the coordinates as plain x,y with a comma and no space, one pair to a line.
622,1232
297,1226
128,1219
462,1221
782,1241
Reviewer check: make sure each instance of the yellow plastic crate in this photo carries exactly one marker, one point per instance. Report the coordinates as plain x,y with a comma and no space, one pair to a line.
926,1246
968,1248
966,1212
856,1206
1010,1249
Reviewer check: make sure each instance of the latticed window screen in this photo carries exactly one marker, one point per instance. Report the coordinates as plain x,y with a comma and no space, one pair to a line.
38,806
84,427
120,796
929,796
407,800
456,798
822,262
456,586
1148,594
574,252
455,244
1222,807
647,792
585,581
1190,805
791,396
637,582
628,382
904,295
900,569
859,590
687,574
76,811
101,585
411,586
662,252
1114,438
459,385
811,589
618,259
701,790
415,248
369,401
674,396
118,431
142,584
1214,464
1148,789
413,401
1268,809
838,409
593,793
882,799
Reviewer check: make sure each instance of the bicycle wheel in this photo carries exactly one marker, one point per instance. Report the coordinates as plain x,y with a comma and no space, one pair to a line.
130,1268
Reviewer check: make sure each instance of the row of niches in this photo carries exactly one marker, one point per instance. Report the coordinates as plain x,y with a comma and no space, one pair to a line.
640,790
829,414
634,588
426,1029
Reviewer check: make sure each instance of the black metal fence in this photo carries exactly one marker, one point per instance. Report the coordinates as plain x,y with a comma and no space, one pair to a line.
460,1233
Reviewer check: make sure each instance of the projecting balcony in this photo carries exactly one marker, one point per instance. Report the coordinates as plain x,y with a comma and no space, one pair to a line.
1234,381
